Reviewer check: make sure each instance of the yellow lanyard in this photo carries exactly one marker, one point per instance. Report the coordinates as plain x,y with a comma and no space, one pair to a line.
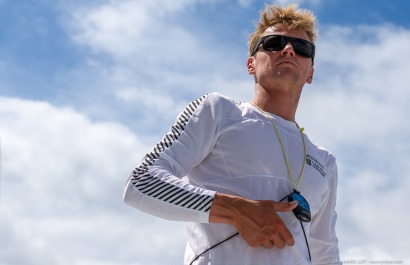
283,148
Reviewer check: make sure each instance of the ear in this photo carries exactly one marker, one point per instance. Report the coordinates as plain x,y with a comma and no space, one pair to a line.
309,80
251,65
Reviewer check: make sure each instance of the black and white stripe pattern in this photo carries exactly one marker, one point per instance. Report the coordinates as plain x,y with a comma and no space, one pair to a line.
164,191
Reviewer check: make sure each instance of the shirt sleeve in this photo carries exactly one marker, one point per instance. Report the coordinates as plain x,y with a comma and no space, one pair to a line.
157,185
323,241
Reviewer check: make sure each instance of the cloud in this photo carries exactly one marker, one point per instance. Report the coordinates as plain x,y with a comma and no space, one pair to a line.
360,81
356,107
134,28
146,39
155,61
61,191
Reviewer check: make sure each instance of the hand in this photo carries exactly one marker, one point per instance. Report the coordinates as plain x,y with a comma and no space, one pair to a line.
257,221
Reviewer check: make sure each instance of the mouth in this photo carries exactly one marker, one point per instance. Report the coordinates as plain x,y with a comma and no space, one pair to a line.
286,63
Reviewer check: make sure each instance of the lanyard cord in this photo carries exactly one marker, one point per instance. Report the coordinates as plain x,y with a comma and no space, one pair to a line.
283,148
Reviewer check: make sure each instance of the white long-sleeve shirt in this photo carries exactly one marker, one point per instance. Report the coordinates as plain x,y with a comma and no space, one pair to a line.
218,145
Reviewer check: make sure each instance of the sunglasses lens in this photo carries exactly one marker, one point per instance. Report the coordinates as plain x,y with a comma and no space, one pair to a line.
273,43
303,48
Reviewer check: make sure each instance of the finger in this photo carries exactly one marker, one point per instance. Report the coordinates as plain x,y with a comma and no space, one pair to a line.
278,241
282,234
269,244
284,206
287,237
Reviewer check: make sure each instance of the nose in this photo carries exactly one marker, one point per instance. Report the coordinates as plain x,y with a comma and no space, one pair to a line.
288,50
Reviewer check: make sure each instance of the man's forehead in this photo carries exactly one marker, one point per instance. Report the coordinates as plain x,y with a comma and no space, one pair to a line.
277,27
282,29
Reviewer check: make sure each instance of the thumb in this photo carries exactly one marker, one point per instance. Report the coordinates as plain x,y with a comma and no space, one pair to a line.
285,206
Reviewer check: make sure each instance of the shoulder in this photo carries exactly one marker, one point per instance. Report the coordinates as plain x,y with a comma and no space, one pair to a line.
216,103
218,98
321,156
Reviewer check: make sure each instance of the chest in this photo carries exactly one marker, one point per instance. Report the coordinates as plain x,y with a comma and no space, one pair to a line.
251,157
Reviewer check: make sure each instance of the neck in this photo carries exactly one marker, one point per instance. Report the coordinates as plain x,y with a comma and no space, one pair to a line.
277,102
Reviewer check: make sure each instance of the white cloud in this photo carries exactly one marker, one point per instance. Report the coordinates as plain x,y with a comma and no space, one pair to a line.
114,28
155,62
362,83
357,107
137,28
62,182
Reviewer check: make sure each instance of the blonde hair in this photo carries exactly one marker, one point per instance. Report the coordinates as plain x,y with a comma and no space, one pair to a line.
292,16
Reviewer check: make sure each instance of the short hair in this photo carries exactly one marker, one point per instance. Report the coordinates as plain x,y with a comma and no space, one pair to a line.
292,16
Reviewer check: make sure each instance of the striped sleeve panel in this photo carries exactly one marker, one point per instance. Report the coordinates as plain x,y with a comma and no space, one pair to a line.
164,191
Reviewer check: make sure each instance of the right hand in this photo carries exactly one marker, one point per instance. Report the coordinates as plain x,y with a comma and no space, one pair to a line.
257,221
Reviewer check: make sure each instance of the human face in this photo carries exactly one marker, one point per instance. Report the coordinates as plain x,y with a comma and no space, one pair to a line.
283,67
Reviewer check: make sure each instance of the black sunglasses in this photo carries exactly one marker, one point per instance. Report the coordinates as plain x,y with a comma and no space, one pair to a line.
278,42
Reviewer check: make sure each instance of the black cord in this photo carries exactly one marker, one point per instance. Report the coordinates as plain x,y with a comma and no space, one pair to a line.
234,235
307,244
214,246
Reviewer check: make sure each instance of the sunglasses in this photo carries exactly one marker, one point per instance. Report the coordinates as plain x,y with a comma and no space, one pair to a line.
301,47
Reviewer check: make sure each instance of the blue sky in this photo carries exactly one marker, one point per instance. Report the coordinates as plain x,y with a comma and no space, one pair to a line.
38,51
87,87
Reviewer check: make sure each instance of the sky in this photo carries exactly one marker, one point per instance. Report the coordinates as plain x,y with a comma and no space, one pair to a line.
88,87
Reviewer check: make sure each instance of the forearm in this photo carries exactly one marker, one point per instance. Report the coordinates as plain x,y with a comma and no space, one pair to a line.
174,202
224,208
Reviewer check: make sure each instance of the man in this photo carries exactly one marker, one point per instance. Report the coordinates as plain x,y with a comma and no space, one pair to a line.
251,186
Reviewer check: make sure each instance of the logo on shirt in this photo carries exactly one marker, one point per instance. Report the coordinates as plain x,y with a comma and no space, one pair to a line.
313,162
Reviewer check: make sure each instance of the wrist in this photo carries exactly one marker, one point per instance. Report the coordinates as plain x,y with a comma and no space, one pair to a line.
225,208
